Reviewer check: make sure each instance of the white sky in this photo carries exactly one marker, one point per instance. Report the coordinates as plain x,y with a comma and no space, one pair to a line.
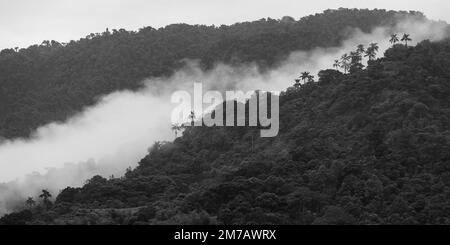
26,22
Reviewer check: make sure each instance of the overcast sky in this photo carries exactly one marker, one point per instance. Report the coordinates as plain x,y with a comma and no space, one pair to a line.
26,22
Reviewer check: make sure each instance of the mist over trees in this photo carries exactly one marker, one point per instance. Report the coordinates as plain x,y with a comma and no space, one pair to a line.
359,144
53,81
371,146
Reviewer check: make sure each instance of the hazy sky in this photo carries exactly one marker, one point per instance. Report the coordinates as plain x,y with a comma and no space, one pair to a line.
26,22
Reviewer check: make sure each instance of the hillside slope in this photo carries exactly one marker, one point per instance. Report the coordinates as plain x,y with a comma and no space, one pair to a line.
369,147
53,81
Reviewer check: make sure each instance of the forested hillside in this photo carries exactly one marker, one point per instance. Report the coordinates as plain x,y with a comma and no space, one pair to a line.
51,81
371,146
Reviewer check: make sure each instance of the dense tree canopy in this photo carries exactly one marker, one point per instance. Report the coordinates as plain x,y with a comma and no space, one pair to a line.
51,81
368,147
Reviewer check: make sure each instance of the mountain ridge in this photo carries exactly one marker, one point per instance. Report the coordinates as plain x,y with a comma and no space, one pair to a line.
367,147
53,81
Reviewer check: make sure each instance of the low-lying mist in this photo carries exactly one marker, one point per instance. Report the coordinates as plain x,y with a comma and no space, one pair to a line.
115,134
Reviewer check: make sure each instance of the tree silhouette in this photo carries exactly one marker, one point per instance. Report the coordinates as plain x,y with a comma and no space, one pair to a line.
176,128
345,58
355,61
371,51
46,197
305,75
406,39
360,49
337,64
30,202
394,39
374,46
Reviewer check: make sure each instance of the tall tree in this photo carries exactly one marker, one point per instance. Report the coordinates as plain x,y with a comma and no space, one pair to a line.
337,64
394,39
406,39
374,46
176,128
355,61
345,62
360,49
371,51
46,197
30,202
305,75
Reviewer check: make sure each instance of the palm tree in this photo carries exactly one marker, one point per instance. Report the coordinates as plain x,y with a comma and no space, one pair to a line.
371,51
176,128
337,64
310,78
360,49
30,202
406,38
394,39
345,58
305,75
355,61
355,57
374,46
